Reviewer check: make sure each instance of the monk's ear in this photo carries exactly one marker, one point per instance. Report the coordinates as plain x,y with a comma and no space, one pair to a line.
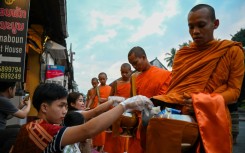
216,24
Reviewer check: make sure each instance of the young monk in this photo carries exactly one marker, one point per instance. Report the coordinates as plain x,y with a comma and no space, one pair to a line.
120,87
90,104
102,95
210,78
46,135
149,81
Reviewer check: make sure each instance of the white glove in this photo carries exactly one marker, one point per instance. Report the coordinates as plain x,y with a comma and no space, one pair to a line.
116,99
138,102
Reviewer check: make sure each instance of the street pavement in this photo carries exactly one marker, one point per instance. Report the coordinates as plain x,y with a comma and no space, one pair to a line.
240,146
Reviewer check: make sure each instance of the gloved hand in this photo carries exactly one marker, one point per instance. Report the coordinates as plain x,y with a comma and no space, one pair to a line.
116,99
138,102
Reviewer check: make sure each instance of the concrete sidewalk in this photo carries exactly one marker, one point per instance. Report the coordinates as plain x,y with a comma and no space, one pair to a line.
241,114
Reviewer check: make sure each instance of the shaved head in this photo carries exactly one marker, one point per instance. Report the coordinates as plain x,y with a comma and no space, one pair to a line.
210,9
126,65
138,52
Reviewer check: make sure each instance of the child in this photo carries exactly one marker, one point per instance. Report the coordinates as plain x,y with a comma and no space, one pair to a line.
91,94
102,95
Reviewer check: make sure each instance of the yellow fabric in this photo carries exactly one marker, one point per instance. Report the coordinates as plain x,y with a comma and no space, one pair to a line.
35,33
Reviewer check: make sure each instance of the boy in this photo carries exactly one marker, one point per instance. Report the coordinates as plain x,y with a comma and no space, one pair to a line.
90,104
102,93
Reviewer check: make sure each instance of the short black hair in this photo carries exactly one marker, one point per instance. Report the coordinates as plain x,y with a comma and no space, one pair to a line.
126,65
138,52
47,93
73,118
102,73
94,78
210,8
4,85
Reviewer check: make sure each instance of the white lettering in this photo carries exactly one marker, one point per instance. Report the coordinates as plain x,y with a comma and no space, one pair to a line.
9,49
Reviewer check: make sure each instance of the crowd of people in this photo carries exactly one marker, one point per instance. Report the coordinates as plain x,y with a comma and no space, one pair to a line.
206,77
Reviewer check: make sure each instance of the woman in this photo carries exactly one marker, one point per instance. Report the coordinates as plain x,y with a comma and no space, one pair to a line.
75,117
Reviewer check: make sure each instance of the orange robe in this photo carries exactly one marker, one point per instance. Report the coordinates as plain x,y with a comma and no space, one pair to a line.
115,143
92,92
104,92
216,68
154,81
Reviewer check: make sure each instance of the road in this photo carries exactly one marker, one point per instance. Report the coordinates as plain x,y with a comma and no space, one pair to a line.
240,146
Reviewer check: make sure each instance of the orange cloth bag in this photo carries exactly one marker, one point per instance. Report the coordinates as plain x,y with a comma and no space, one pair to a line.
167,135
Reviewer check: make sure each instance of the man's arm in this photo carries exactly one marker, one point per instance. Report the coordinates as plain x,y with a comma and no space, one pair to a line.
97,110
103,121
113,87
93,126
236,76
23,112
87,99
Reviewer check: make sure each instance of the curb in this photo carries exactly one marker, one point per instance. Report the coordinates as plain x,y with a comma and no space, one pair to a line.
241,119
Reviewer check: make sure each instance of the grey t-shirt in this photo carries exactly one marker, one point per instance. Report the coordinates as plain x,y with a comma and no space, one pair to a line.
7,109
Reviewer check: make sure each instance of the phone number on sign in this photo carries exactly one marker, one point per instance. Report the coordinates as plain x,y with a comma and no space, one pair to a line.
10,69
10,76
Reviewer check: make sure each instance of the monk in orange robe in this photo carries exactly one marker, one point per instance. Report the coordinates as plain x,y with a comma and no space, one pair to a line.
90,104
102,95
148,81
206,76
120,87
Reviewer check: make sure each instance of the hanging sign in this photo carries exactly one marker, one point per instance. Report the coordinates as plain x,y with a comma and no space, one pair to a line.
13,32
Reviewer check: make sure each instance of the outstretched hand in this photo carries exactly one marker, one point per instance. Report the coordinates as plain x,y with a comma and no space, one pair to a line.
116,99
138,102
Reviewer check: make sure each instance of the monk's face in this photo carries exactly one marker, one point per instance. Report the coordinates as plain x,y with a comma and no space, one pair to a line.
125,73
102,79
94,83
201,26
137,62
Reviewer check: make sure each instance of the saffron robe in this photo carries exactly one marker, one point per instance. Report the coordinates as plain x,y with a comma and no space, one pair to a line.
154,81
114,142
91,96
104,92
216,68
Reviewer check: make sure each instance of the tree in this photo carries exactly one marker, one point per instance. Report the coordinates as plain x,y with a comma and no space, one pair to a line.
185,44
239,36
170,57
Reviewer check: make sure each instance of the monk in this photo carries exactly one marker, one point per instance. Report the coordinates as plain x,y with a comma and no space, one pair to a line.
90,104
102,95
120,87
149,81
206,77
